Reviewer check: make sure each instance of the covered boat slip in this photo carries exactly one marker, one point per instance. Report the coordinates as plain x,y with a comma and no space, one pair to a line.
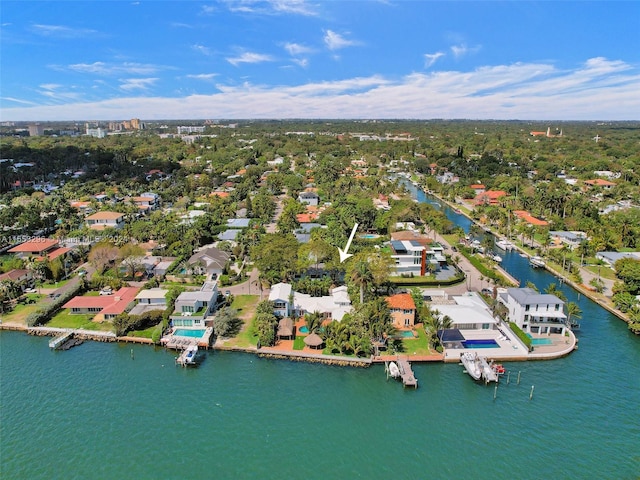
188,356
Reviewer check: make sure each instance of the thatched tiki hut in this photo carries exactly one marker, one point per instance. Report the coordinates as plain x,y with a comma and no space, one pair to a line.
285,329
313,341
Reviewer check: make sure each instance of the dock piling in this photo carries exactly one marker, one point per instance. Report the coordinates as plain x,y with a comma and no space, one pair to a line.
531,394
518,377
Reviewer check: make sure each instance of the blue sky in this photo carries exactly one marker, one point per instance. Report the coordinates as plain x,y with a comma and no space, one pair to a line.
229,59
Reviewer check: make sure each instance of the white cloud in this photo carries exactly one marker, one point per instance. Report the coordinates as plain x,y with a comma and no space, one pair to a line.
50,86
598,89
462,50
129,84
431,58
295,49
335,41
249,57
201,49
102,68
271,7
17,100
203,76
62,31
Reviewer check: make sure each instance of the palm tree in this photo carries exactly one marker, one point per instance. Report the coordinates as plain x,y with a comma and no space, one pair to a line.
573,310
313,321
362,277
552,289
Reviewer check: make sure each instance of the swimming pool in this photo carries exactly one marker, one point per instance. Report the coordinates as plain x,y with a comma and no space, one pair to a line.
183,332
369,236
303,329
541,341
480,344
405,334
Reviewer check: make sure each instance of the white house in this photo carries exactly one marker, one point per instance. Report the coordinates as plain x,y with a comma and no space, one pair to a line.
469,312
333,306
102,220
192,308
150,299
309,198
534,312
412,257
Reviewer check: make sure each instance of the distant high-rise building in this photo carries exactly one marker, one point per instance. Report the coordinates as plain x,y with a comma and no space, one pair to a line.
135,123
190,129
35,130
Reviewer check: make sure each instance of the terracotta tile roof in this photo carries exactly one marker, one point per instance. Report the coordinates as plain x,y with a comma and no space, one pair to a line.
402,301
599,182
219,194
110,304
413,236
35,245
105,216
527,217
477,186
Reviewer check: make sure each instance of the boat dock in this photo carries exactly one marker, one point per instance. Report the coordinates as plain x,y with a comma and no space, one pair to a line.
188,355
406,374
65,341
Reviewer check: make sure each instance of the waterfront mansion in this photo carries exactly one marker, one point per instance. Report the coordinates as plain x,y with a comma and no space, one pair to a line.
534,312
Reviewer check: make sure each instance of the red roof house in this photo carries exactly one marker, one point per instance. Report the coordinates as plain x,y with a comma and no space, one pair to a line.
105,307
403,310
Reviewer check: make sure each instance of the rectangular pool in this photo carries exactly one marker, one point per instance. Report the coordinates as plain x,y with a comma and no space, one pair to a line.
480,344
541,341
184,332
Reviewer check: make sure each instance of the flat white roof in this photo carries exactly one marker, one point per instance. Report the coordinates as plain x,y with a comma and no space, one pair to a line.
152,293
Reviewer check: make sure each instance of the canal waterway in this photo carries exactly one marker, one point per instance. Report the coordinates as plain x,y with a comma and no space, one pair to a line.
96,411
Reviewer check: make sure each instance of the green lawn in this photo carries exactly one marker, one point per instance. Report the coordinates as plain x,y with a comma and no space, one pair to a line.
21,311
146,333
605,272
65,319
298,343
417,346
245,305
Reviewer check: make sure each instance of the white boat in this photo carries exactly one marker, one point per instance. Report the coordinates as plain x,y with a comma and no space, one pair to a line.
496,258
471,364
536,262
394,371
188,356
503,244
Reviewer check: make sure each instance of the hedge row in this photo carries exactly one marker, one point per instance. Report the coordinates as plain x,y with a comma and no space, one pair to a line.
526,339
45,313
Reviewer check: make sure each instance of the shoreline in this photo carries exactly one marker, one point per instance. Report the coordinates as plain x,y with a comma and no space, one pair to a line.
267,352
576,286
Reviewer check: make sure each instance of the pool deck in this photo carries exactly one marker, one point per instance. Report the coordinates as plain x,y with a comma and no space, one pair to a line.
511,347
178,342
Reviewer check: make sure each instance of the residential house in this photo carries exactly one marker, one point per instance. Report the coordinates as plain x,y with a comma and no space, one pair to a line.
599,182
571,239
102,220
403,310
478,188
146,202
530,219
208,261
415,254
150,299
39,247
105,307
192,308
288,303
468,312
20,276
534,312
238,222
490,197
610,258
309,198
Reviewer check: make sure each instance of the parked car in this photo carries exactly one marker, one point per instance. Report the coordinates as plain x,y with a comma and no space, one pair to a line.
31,290
106,291
486,291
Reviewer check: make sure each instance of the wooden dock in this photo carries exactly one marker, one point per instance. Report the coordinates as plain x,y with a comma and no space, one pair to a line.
406,374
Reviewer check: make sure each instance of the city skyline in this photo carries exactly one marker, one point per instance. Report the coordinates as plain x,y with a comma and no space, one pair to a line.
299,59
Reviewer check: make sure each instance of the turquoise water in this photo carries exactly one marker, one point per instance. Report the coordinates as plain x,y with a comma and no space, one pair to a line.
94,412
184,332
369,236
405,334
541,341
304,329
